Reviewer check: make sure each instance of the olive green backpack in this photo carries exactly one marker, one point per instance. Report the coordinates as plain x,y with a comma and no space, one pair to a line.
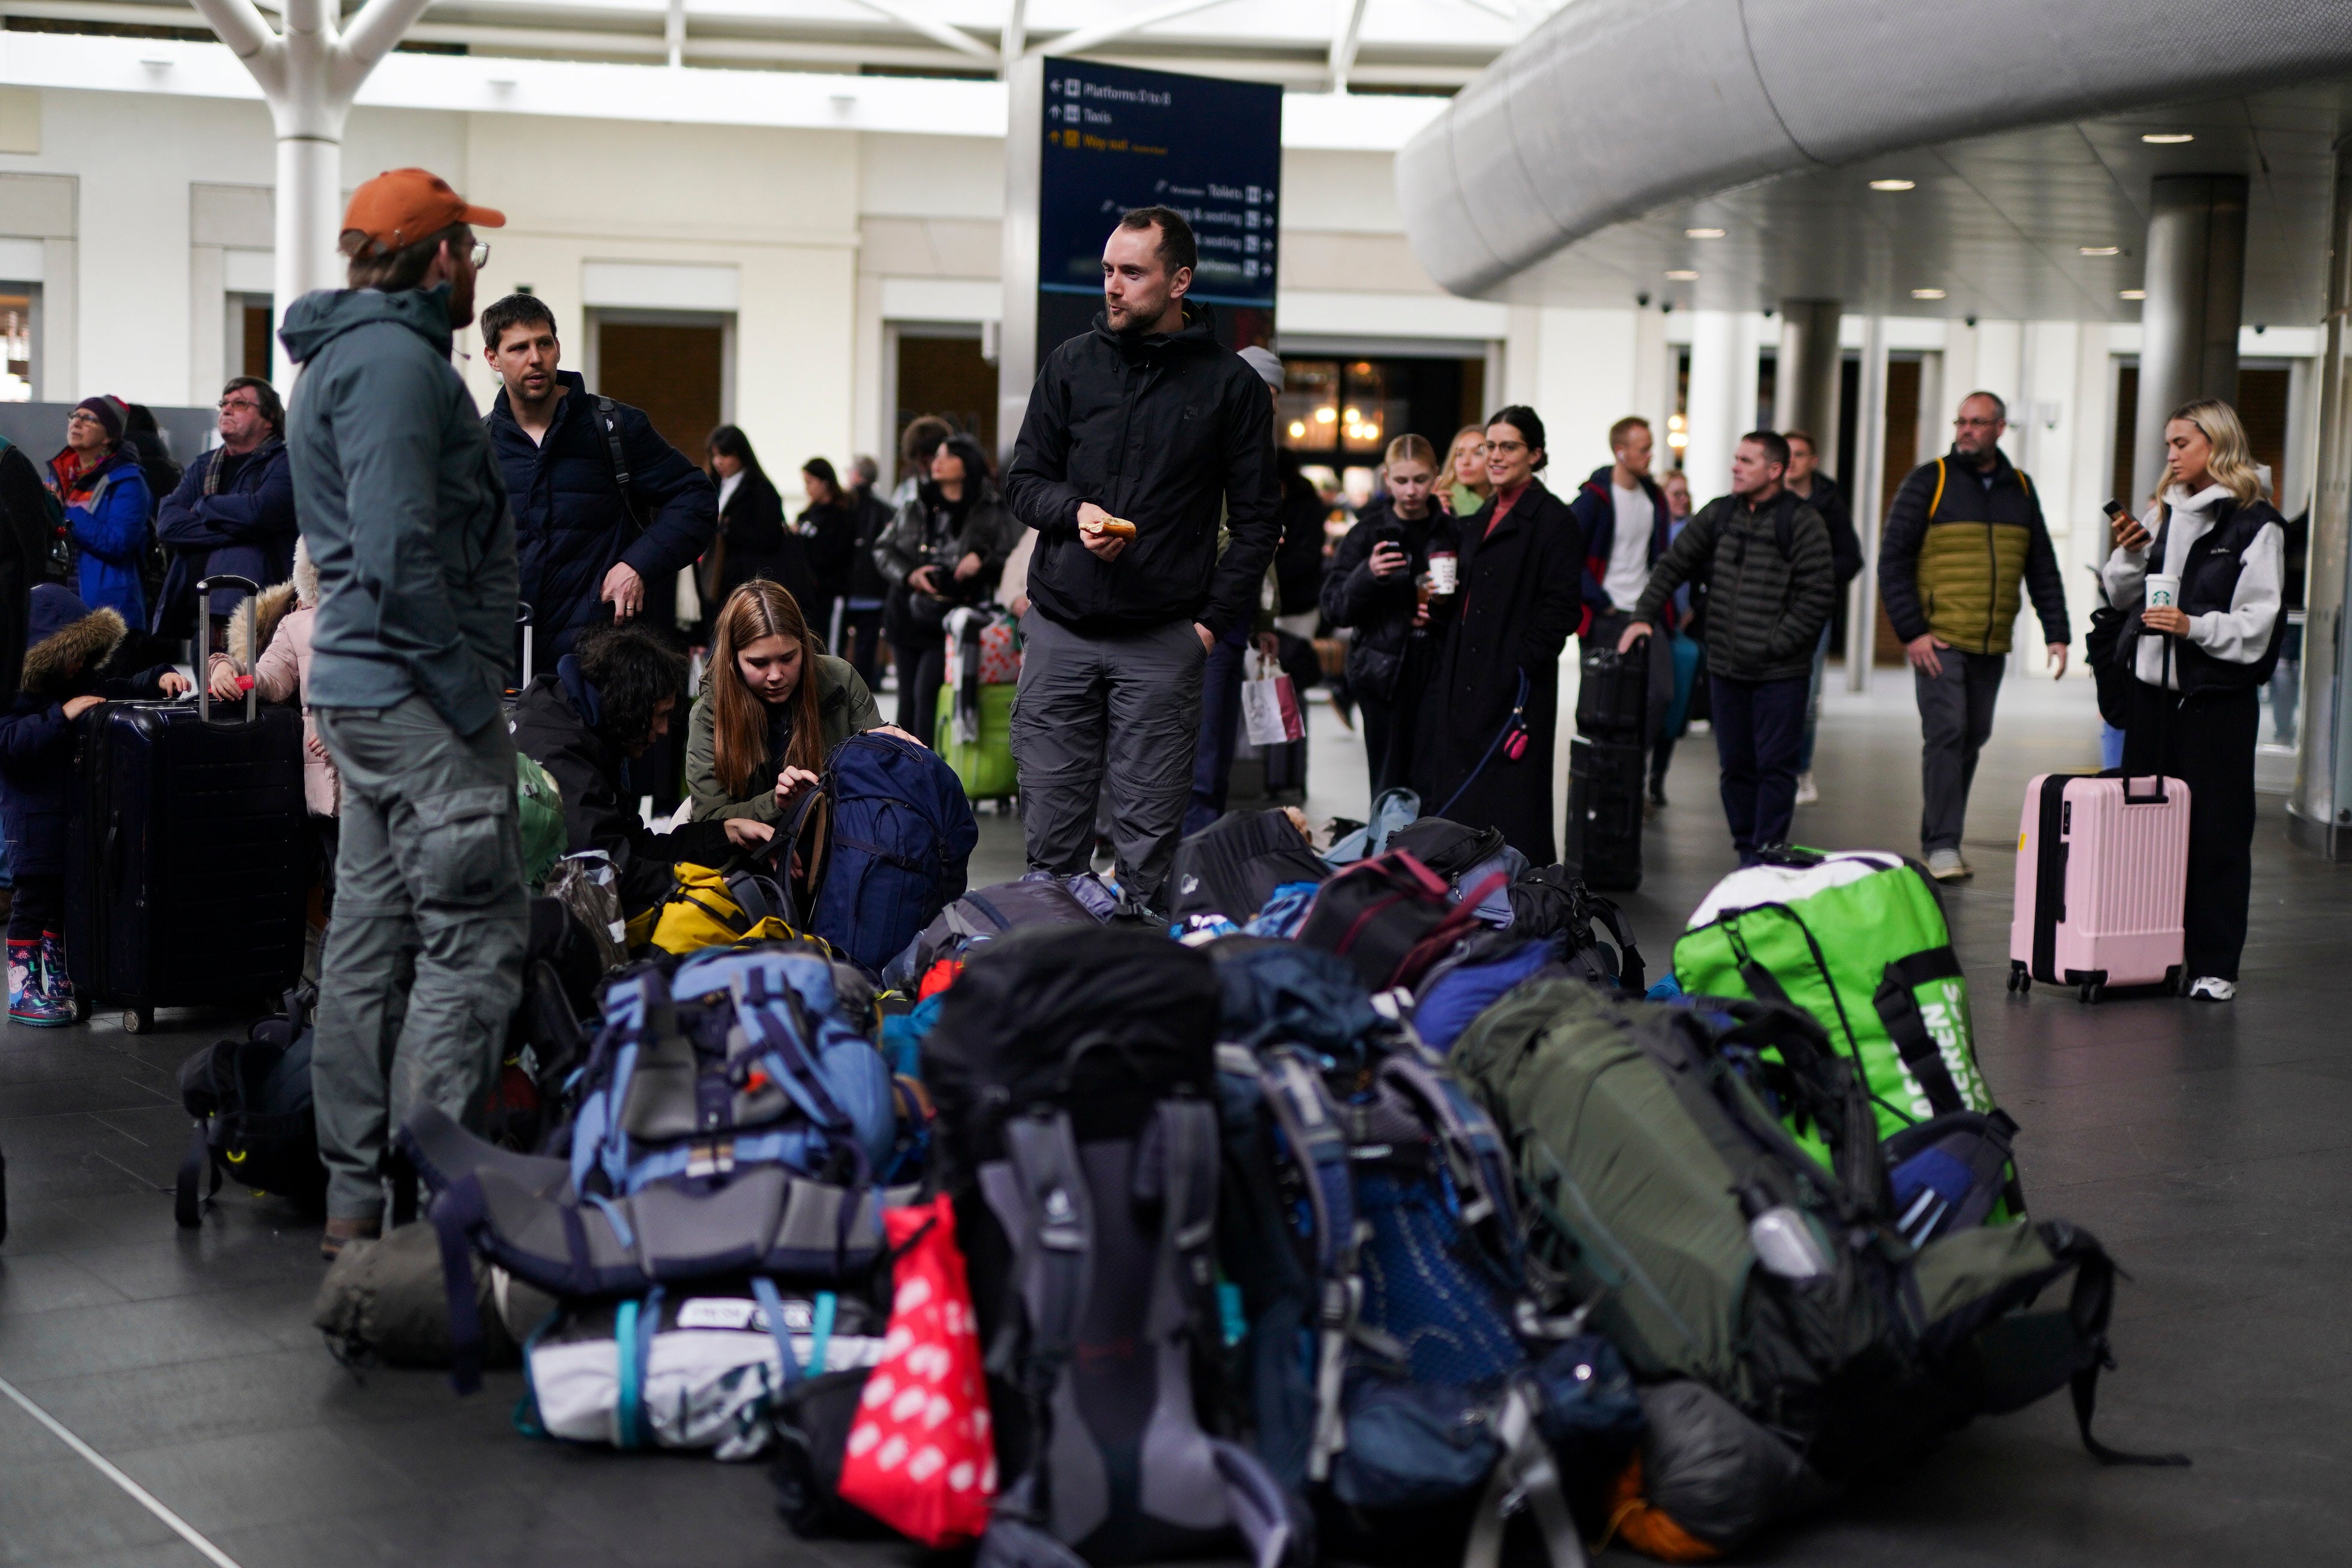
1665,1193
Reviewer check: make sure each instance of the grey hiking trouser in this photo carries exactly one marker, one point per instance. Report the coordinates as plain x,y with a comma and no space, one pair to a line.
424,962
1955,721
1121,710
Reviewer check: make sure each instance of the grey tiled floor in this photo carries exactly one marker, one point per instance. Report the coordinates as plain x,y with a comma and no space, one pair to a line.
2209,1146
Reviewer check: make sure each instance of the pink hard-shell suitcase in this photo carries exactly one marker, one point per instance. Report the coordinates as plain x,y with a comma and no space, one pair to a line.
2102,878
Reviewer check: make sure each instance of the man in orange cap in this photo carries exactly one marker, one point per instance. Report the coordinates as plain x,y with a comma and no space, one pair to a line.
405,516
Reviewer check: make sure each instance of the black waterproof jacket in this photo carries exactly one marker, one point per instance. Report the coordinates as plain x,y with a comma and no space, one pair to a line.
1381,609
1765,607
1157,428
572,524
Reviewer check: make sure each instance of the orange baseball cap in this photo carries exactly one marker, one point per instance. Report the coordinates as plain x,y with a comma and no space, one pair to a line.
401,206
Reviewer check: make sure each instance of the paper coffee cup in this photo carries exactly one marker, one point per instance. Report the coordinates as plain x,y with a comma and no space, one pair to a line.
2163,590
1444,575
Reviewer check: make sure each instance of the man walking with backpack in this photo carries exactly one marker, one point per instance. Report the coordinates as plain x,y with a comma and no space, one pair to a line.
1963,531
1771,581
402,510
605,511
1138,433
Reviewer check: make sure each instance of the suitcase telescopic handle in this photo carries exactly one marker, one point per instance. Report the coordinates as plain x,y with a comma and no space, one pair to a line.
252,654
2156,795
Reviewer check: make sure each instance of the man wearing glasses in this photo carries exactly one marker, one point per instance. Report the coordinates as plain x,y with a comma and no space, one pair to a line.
407,520
1964,531
232,515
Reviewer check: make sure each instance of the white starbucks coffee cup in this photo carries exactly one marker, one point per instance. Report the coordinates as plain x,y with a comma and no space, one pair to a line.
2163,591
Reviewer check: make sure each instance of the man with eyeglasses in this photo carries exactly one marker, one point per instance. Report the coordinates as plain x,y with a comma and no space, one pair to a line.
1964,531
405,513
232,514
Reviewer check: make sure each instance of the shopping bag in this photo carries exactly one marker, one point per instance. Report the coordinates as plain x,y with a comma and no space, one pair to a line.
921,1457
1270,715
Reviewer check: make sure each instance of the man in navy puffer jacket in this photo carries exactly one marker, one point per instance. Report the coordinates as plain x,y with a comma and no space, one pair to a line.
576,543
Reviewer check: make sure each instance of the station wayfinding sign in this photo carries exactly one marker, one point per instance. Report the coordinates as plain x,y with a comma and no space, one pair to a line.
1116,139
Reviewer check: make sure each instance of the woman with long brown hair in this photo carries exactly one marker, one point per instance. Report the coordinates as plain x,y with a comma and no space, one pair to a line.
773,706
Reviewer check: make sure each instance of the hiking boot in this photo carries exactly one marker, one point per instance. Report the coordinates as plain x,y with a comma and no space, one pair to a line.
1945,866
28,1001
2212,988
342,1232
1806,793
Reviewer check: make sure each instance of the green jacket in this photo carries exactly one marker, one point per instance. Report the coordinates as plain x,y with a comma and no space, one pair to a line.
844,708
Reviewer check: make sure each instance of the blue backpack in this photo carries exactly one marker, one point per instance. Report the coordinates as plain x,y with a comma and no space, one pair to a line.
734,1120
1399,1369
1453,993
892,849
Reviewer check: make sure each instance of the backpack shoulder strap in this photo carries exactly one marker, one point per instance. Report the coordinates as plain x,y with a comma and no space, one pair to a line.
1309,1122
2026,480
1938,498
1039,1195
608,421
1474,1153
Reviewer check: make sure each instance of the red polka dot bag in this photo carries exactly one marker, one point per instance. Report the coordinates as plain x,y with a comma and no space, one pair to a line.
921,1456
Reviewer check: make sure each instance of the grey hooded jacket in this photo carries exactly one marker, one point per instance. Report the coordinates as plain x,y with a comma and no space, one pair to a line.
403,507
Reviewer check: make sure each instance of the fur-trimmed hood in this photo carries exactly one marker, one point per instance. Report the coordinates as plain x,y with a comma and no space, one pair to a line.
275,604
67,641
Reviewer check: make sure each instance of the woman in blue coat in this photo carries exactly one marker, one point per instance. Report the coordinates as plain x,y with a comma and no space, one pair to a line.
98,481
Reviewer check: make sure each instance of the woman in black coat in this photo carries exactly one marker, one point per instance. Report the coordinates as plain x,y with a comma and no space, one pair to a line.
1521,597
752,539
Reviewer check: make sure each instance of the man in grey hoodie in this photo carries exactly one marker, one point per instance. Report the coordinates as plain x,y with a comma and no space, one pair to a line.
404,512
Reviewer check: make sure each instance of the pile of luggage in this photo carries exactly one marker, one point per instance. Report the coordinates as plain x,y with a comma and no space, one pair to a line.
1372,1209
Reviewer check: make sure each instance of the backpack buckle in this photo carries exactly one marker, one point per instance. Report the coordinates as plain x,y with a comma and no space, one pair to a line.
715,1158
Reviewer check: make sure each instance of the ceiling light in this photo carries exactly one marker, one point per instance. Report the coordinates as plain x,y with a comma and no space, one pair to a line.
1926,293
1891,184
2099,250
1681,276
2133,294
2167,138
1702,234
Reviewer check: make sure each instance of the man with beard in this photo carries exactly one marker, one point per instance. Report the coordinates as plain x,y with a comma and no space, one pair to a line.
1138,435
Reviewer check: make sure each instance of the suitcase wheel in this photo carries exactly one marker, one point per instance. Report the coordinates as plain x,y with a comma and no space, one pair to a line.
2092,992
2020,979
138,1020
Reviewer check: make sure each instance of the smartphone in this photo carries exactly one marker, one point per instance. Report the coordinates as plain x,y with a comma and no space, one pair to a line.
2116,510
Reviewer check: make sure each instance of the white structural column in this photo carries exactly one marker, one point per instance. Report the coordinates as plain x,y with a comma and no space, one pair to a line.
1721,405
2319,813
1869,480
308,75
1811,366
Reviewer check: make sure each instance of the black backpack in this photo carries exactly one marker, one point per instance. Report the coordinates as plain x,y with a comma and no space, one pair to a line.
1552,900
1074,1070
251,1100
1232,867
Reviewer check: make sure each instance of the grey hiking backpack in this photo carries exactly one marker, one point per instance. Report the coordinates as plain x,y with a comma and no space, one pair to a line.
1073,1067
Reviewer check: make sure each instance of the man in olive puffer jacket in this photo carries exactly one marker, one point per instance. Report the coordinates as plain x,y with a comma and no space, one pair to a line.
1771,581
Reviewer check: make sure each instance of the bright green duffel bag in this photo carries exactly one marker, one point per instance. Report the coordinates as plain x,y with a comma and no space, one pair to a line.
1859,941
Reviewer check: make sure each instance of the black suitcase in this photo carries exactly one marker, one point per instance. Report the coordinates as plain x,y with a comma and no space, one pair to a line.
1613,693
188,854
1603,837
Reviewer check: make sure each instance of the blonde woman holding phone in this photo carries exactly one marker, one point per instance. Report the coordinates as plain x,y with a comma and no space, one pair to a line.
2201,573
